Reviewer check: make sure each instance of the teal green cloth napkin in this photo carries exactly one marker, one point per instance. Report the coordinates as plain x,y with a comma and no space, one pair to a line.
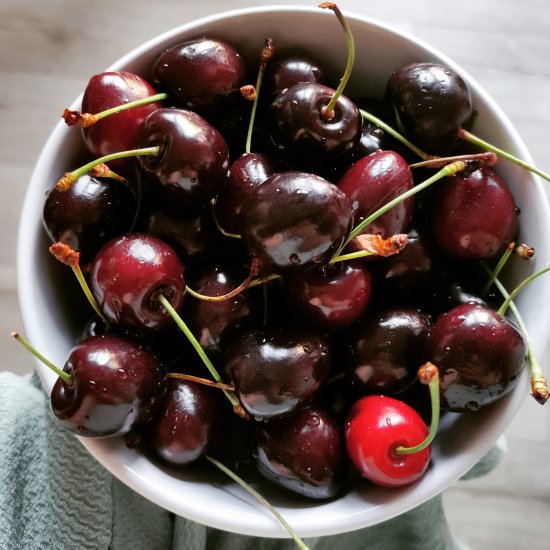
54,495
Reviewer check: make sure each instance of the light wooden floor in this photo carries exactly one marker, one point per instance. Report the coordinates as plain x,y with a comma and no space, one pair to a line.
49,49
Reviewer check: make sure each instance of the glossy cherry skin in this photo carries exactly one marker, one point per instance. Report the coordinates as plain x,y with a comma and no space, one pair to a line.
375,427
373,138
92,211
332,298
117,386
295,220
386,350
303,453
429,103
116,132
300,129
193,160
127,276
293,70
246,173
275,370
200,73
211,322
191,420
372,182
474,217
479,353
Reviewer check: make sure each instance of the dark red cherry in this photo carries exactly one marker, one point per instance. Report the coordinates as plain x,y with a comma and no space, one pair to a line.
375,427
116,132
479,353
429,103
300,129
410,276
88,214
373,138
127,276
190,232
246,173
332,298
303,453
275,370
211,322
288,71
454,289
201,73
193,160
192,419
473,217
295,220
372,182
117,385
385,351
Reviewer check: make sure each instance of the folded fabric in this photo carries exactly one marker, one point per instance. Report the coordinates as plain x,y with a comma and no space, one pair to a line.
54,495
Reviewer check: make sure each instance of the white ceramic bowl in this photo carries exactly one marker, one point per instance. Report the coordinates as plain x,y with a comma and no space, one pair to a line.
50,323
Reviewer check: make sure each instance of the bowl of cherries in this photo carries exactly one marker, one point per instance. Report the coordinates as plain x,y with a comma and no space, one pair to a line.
285,282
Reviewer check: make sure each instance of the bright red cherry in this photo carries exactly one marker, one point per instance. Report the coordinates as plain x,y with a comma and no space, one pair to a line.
127,276
376,426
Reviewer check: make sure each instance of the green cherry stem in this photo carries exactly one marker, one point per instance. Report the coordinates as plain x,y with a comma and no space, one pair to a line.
66,255
237,407
350,256
138,194
498,268
219,225
471,138
394,133
65,376
84,120
502,309
265,55
428,374
539,385
328,111
299,542
69,178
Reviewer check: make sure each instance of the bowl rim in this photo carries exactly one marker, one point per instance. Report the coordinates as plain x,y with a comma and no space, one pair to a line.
126,468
